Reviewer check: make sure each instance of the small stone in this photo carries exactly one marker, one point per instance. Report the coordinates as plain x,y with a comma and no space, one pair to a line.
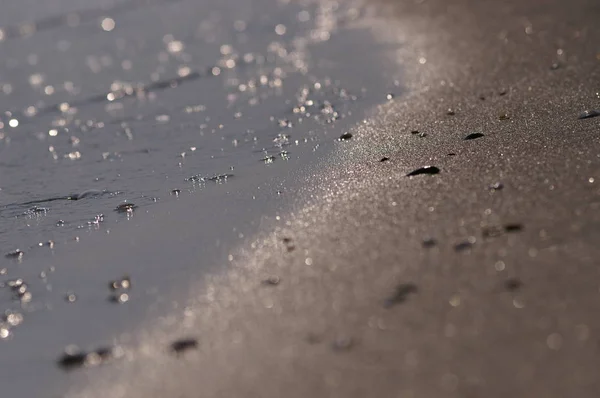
492,232
15,254
497,186
513,284
345,136
272,280
465,245
182,345
513,228
589,114
72,358
343,343
473,136
401,294
429,243
431,170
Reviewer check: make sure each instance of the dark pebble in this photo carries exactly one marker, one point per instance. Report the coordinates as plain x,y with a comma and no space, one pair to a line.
384,159
342,344
492,232
401,294
272,281
429,243
415,132
465,245
513,227
451,154
182,345
497,186
288,243
503,116
15,254
72,358
345,136
473,136
589,114
513,284
424,170
450,112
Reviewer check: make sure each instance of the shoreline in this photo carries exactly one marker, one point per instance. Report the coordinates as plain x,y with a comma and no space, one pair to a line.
506,295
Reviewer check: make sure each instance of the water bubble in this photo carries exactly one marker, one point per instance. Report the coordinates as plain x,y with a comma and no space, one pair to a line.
389,96
120,298
122,283
125,208
107,24
280,29
175,46
70,297
36,79
163,118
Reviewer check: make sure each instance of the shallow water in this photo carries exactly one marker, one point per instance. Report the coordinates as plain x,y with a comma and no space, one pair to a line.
217,107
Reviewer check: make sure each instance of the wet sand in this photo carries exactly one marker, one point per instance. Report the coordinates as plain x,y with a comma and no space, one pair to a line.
477,280
145,140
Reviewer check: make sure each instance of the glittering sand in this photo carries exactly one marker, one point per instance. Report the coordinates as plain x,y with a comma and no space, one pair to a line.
478,280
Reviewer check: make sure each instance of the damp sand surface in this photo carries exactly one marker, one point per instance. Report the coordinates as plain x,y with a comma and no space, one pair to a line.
162,133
